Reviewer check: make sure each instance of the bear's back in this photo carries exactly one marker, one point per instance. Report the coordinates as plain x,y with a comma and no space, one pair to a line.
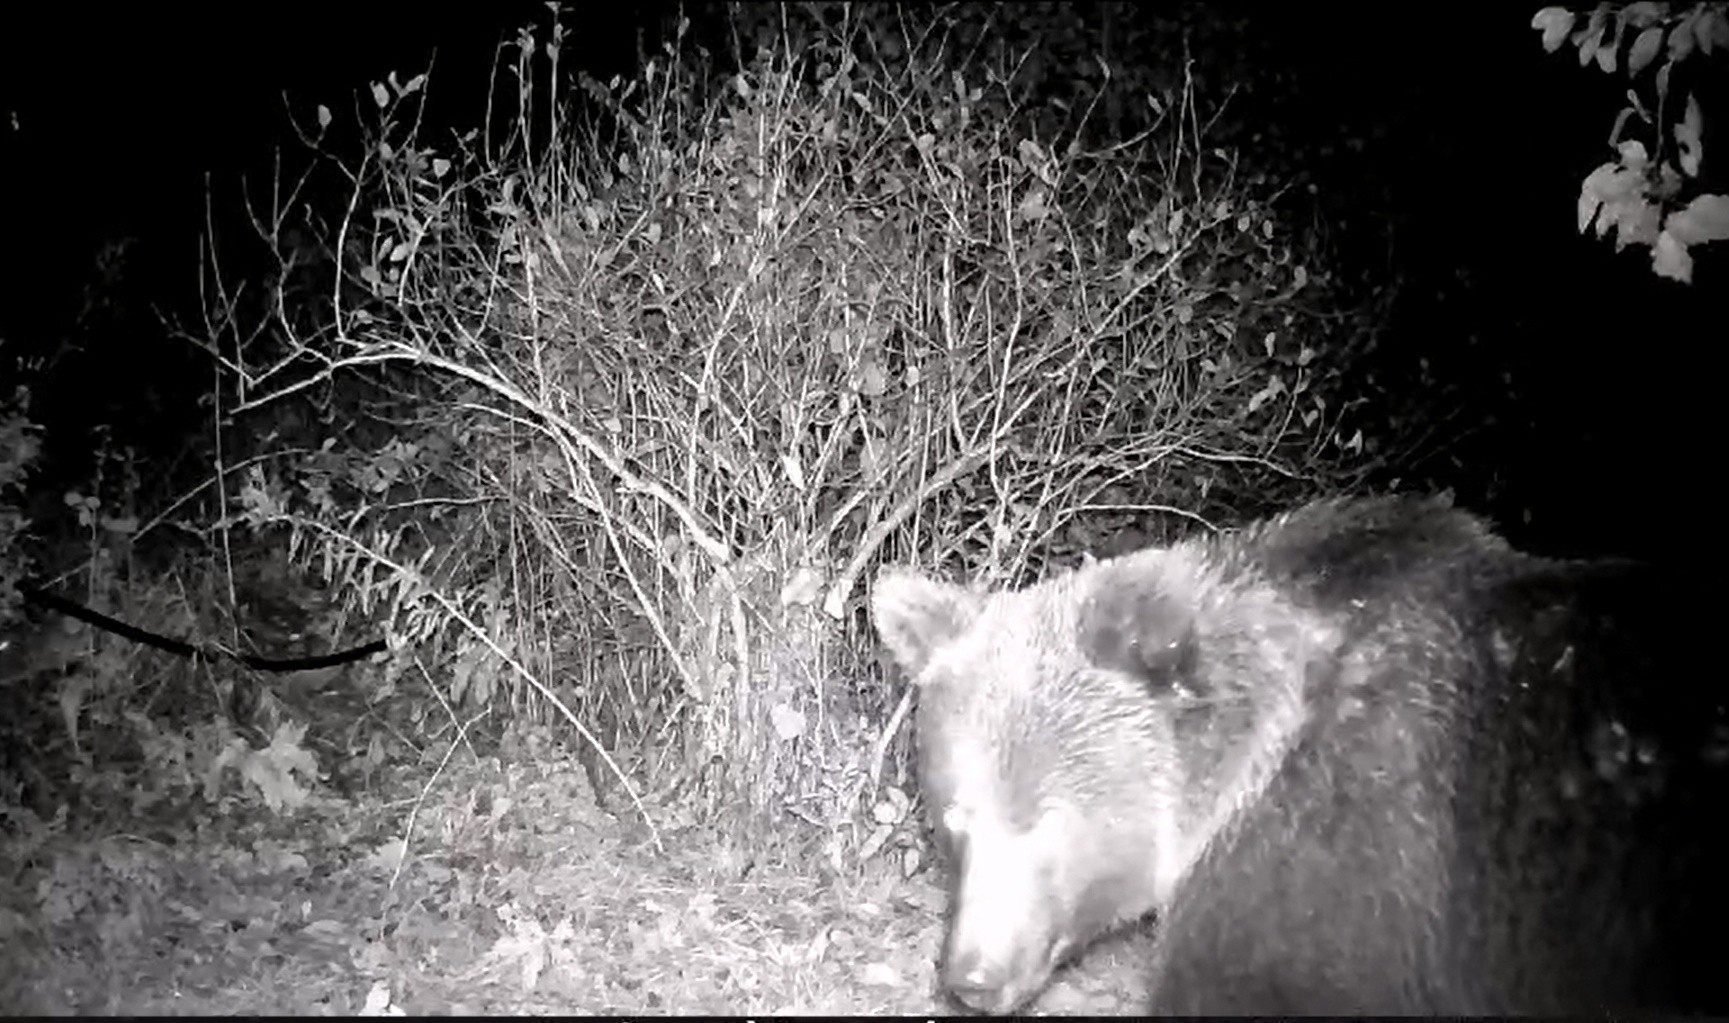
1501,801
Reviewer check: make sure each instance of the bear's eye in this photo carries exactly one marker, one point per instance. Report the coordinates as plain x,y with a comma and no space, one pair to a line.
955,820
952,829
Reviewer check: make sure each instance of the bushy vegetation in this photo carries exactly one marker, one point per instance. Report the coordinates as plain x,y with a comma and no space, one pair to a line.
608,416
19,450
1652,194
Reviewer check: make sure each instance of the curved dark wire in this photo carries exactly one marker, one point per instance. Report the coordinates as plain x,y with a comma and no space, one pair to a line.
174,646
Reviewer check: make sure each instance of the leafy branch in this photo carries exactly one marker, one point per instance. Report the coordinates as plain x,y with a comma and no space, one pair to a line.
1650,195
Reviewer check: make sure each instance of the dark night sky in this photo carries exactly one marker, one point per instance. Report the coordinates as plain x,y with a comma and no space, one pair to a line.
121,111
134,102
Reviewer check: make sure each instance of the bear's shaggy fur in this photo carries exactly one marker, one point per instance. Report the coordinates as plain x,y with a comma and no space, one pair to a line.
1360,758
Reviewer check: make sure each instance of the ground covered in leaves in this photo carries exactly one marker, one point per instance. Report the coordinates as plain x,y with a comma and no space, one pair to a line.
496,888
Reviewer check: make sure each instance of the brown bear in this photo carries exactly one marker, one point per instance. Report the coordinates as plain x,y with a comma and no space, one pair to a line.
1360,758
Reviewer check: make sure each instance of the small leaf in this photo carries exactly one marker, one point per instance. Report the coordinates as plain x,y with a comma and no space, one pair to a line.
323,116
872,379
1681,38
1591,195
1712,30
71,698
794,470
878,974
378,1001
788,723
1554,23
873,844
1274,388
1644,50
1688,138
803,589
1670,259
1643,13
380,95
1033,206
1705,219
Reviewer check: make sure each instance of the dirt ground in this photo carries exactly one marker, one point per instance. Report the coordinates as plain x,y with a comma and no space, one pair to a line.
513,893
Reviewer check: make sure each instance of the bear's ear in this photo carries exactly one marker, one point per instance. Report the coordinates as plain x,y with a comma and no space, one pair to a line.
916,615
1129,621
